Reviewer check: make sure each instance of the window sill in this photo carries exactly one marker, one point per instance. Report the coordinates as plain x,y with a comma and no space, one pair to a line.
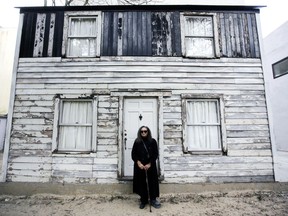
74,154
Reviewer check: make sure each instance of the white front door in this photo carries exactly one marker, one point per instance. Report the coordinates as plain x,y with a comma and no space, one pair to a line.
137,112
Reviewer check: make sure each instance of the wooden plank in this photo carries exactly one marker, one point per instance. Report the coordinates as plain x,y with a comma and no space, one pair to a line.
222,31
134,30
241,35
114,27
218,167
246,153
248,140
139,34
224,173
145,31
187,159
125,34
130,34
105,35
237,38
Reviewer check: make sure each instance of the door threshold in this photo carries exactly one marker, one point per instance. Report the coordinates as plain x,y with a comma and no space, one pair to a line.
126,178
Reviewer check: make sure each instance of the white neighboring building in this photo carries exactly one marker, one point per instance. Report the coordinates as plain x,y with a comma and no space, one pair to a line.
276,78
7,49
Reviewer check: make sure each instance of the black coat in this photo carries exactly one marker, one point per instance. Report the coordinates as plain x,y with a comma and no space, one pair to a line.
139,178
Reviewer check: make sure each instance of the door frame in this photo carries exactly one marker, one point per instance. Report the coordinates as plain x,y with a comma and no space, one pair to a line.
127,162
159,96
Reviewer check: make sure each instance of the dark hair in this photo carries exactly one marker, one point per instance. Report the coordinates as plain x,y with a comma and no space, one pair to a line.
139,137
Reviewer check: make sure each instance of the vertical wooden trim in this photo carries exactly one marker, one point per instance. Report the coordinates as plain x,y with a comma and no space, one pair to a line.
120,137
232,35
182,25
65,34
241,35
134,30
120,25
125,34
99,27
222,33
250,35
51,35
169,34
139,34
58,34
161,136
255,36
12,100
144,32
216,36
223,126
46,34
55,124
177,34
237,36
114,36
94,124
130,34
184,125
39,37
149,33
227,32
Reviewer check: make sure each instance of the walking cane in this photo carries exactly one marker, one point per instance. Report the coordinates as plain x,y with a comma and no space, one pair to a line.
147,184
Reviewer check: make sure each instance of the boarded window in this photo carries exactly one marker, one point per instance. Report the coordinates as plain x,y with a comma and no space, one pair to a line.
76,125
203,126
198,37
280,68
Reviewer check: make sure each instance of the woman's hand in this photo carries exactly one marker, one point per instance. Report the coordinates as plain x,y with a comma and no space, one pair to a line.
140,165
147,166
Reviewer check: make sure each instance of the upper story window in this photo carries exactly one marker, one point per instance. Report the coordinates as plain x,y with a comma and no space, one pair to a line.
82,33
280,68
199,36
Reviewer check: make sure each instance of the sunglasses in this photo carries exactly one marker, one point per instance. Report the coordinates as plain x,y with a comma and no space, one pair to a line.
144,131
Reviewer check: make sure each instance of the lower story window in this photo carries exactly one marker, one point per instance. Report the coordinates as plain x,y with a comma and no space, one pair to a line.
202,126
76,125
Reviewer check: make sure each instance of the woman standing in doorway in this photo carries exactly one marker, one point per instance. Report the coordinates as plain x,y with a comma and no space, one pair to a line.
144,154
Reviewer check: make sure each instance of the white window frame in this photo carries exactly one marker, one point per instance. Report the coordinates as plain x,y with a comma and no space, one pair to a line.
222,136
66,37
214,29
57,114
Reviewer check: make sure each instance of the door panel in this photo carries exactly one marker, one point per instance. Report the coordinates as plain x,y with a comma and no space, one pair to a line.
137,112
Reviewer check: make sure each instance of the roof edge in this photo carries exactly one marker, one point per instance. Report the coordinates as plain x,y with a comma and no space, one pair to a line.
254,8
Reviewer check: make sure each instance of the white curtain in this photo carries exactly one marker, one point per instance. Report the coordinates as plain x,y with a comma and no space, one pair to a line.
203,128
82,37
75,132
199,36
200,47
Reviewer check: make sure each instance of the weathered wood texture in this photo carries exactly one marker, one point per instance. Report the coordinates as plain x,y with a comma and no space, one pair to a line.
141,33
240,81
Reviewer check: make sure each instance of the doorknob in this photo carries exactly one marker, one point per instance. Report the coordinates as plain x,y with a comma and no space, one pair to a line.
140,117
125,139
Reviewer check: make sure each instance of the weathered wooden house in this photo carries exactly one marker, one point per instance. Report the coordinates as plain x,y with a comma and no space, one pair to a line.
88,77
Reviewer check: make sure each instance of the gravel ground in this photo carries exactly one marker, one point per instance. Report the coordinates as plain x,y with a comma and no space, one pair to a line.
233,203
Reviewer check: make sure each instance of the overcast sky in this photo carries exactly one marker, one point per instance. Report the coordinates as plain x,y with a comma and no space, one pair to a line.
271,17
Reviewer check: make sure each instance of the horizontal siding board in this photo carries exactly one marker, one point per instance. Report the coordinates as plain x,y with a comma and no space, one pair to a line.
246,121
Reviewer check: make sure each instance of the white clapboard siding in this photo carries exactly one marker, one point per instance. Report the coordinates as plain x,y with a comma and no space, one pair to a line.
239,81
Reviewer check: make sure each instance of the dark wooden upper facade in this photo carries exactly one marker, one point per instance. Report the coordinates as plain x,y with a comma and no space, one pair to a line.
144,30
